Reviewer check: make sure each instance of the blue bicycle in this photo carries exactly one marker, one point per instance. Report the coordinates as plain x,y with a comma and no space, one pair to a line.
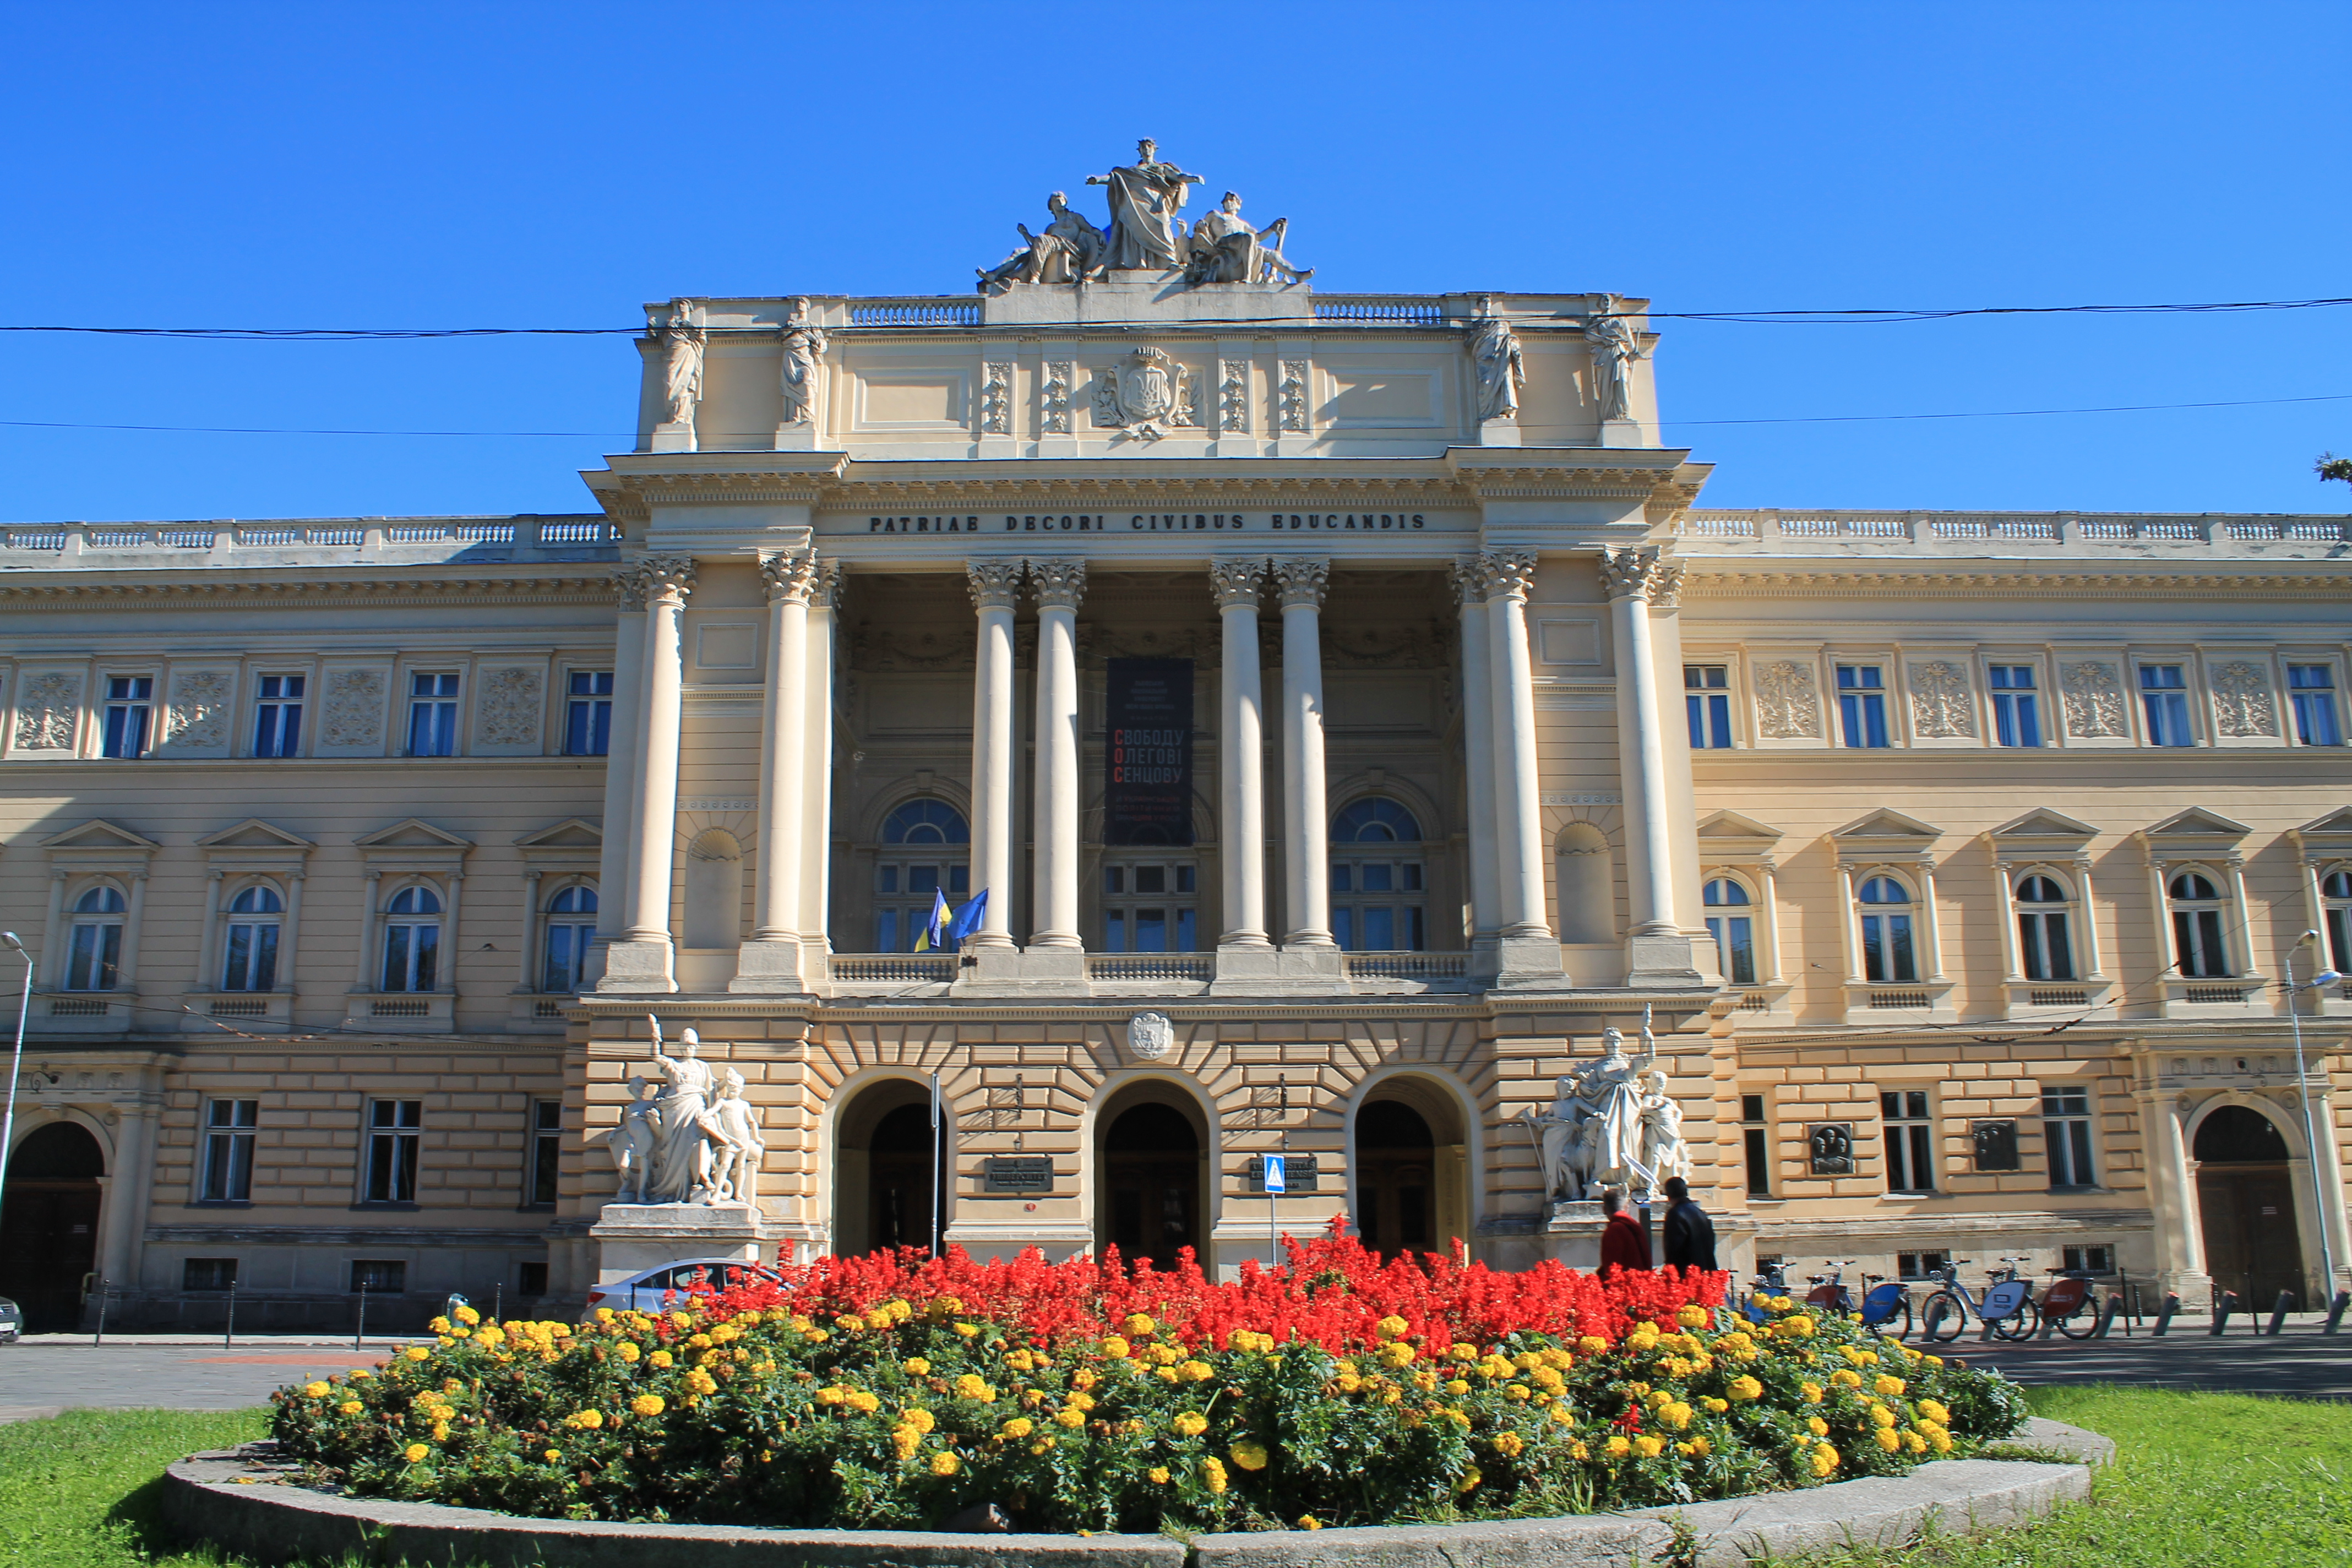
1884,1308
2006,1308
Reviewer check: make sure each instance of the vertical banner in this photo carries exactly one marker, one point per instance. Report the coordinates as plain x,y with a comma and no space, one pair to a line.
1148,788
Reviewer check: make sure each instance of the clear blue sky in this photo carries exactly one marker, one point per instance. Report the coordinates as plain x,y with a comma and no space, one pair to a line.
412,164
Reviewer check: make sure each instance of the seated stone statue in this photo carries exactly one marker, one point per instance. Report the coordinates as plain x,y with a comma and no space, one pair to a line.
1070,250
1224,248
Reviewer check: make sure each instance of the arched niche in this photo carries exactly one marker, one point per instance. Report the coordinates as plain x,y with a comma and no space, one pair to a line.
714,889
1585,872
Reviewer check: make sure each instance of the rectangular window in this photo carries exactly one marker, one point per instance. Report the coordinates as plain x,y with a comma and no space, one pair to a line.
1910,1140
1707,694
129,706
393,1126
2164,698
588,721
1735,946
2066,1133
1862,705
378,1276
277,717
2197,934
1755,1134
95,956
433,716
1156,927
252,956
531,1281
2043,946
1887,955
2088,1260
1921,1265
208,1274
2312,687
1359,924
2016,721
546,1149
228,1150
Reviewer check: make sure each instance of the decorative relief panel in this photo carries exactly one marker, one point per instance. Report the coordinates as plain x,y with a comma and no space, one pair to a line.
2242,700
510,707
1290,397
46,709
996,401
1054,397
1787,707
1233,394
352,716
1941,706
197,719
2094,697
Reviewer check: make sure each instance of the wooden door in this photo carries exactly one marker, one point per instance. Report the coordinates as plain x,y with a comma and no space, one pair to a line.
2252,1242
49,1242
1153,1202
1394,1197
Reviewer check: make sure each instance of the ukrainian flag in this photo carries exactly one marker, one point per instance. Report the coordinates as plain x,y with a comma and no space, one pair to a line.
935,930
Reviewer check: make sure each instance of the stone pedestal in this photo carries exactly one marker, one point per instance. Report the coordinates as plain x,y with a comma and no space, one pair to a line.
1498,433
633,1238
1301,971
674,436
1022,971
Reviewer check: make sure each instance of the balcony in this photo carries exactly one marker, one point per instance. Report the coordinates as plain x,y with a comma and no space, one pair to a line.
231,544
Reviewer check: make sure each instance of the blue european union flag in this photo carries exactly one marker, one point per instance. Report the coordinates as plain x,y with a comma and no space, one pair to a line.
967,918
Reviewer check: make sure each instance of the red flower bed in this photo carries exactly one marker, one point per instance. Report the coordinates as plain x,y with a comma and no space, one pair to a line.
1332,1293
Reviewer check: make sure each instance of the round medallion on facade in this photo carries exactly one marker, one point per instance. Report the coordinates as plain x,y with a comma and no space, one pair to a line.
1150,1036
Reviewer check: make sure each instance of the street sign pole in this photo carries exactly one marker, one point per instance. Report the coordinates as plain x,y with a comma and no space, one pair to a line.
1275,1174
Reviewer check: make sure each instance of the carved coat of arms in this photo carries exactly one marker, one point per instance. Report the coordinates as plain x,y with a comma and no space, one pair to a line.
1150,1036
1142,393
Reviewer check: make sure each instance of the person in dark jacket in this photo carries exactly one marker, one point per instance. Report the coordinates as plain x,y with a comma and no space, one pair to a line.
1690,1234
1622,1241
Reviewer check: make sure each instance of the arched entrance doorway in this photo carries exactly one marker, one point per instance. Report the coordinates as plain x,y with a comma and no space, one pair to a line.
1151,1171
890,1170
49,1225
2245,1199
1409,1182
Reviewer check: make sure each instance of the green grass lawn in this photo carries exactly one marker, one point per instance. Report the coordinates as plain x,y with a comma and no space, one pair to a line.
2201,1481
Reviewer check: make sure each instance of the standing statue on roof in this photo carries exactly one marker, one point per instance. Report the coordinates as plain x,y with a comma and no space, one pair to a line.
1144,199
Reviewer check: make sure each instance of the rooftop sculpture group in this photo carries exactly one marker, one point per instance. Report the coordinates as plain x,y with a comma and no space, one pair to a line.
1147,235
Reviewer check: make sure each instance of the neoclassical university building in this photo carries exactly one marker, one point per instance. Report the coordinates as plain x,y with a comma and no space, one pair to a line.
1327,713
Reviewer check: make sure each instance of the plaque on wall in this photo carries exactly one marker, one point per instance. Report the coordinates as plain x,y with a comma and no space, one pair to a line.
1017,1173
1996,1145
1298,1173
1148,760
1831,1146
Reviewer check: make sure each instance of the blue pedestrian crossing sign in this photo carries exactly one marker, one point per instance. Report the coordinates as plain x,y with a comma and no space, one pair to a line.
1273,1173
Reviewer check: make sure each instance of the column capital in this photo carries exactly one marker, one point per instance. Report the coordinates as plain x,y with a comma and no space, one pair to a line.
1636,573
824,586
1507,573
995,585
1469,581
666,577
1666,593
1302,582
1236,583
1059,583
790,579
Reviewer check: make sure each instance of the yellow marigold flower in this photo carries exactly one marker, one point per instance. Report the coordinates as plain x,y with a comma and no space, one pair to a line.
1692,1316
351,1407
1592,1344
832,1393
1019,1426
1510,1444
627,1350
553,1456
661,1358
1347,1383
317,1390
1308,1521
416,1352
587,1420
966,1329
1081,1400
1495,1366
1825,1460
1800,1325
1579,1451
1067,1416
972,1386
1846,1378
944,1464
1563,1413
702,1382
1189,1424
1811,1391
648,1404
1166,1355
467,1316
1676,1415
920,1420
604,1314
681,1320
1196,1372
1515,1393
1391,1327
1933,1360
440,1431
1881,1416
1887,1440
1914,1442
1649,1447
1934,1411
1213,1474
861,1399
1082,1379
1471,1476
916,1364
1715,1406
1456,1387
1115,1348
1700,1445
1138,1325
1618,1447
1642,1341
1157,1475
1815,1425
1547,1377
1464,1352
725,1334
1890,1386
414,1453
1249,1455
1745,1388
904,1441
1939,1439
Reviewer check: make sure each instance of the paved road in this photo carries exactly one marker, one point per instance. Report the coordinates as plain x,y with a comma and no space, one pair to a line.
2307,1364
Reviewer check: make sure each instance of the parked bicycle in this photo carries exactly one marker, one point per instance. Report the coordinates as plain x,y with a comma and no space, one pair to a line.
1886,1306
1771,1281
2007,1306
2070,1304
1829,1293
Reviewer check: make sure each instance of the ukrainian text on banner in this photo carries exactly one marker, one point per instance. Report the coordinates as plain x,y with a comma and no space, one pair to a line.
1148,793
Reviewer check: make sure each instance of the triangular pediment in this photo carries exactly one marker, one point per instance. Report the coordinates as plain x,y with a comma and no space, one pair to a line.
572,833
2197,823
1731,825
2044,825
99,834
1886,823
2335,825
254,834
414,833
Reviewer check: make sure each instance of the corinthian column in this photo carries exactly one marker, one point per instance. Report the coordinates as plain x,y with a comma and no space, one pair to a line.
1305,856
1058,586
994,586
621,758
1519,816
1240,753
770,961
1656,952
1479,749
642,960
816,791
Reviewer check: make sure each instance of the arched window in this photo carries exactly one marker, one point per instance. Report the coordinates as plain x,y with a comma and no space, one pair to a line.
2336,901
251,961
1888,953
1376,878
2200,948
570,927
2045,948
1733,929
95,952
923,854
412,940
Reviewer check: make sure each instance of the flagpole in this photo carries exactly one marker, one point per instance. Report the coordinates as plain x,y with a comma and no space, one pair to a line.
935,1164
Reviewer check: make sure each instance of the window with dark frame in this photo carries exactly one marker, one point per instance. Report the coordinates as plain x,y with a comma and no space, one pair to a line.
2016,720
379,1275
2311,687
1888,953
249,955
1706,698
433,715
1150,905
1861,706
2044,949
571,931
2336,894
2199,950
393,1127
1921,1265
2087,1259
278,716
1910,1140
1733,927
229,1127
1756,1138
588,716
206,1274
130,708
1377,889
546,1150
2066,1135
94,946
2164,699
530,1279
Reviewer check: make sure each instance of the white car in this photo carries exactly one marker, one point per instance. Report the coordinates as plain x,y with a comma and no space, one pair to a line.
11,1321
653,1289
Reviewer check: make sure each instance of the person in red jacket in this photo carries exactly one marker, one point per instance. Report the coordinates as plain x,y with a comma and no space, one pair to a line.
1622,1241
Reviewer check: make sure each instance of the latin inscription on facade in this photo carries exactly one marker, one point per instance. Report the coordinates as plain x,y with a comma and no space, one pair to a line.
1151,523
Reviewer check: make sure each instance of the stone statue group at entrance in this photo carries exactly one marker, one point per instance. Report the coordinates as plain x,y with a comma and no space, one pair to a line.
687,1144
1612,1124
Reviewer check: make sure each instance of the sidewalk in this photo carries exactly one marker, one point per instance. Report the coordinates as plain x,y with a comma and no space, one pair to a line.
239,1342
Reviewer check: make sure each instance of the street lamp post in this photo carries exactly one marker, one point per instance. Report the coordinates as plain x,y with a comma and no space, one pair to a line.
15,1062
2302,1096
